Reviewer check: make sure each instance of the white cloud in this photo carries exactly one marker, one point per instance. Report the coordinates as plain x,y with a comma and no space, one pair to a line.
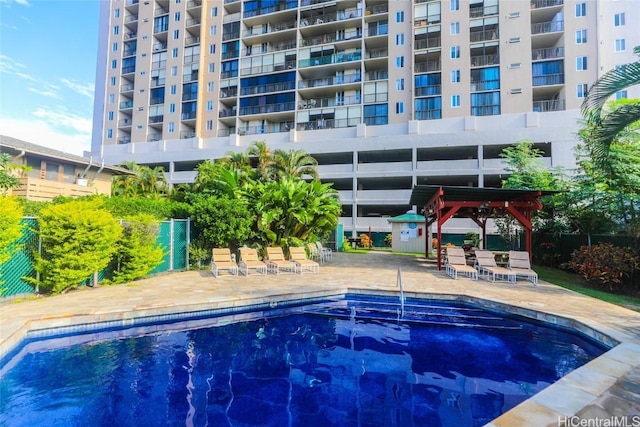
85,89
8,3
37,85
61,131
50,94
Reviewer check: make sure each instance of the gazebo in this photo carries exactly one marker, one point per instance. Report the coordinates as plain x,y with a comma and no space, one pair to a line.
440,203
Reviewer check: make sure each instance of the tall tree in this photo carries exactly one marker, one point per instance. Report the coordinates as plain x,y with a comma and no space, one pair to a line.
294,163
263,155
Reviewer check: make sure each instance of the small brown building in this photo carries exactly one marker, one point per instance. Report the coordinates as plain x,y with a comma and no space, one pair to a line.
56,173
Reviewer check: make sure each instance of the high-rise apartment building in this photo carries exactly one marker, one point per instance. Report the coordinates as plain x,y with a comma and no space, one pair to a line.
386,95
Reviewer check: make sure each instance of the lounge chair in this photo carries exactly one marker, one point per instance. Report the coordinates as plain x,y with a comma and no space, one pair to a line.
519,263
314,253
249,260
276,261
487,268
457,263
298,255
221,260
326,252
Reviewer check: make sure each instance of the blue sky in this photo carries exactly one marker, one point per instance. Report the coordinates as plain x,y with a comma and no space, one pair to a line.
47,71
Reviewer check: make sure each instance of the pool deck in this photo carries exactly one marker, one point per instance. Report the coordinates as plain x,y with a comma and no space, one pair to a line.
607,387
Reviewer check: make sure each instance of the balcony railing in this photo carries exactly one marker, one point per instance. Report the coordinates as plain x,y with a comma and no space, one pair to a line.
273,87
194,3
549,105
127,87
428,114
430,90
479,36
372,98
193,76
192,22
377,9
129,52
124,122
427,20
327,124
306,104
159,46
229,92
161,11
329,81
189,96
548,79
277,47
191,59
158,64
230,54
331,59
124,140
485,110
547,27
231,36
477,12
228,112
427,66
376,75
547,53
189,115
484,85
269,108
156,119
130,18
537,4
430,42
160,29
129,69
484,60
271,9
259,30
331,38
381,30
376,53
191,40
154,137
289,65
258,130
323,18
187,134
157,81
130,35
126,105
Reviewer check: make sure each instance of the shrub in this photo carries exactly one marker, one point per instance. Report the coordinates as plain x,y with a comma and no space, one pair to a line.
10,229
221,222
78,239
388,239
604,264
365,240
138,250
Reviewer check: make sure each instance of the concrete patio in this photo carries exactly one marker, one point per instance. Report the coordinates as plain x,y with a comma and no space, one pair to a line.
607,387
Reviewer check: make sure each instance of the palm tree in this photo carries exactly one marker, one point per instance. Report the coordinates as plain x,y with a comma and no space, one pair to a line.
262,153
294,163
606,125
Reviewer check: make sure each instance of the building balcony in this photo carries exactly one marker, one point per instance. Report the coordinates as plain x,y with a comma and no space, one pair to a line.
376,75
264,69
433,114
549,105
130,35
374,98
159,46
131,18
327,124
430,90
229,92
485,60
427,20
156,119
126,105
377,9
547,53
192,4
290,4
329,81
479,12
272,28
191,77
427,66
484,85
548,79
128,70
376,53
483,35
380,30
231,36
269,128
124,123
274,87
161,11
157,82
272,47
126,87
158,65
485,110
154,137
190,59
124,140
193,22
311,19
331,38
188,115
428,43
230,55
189,41
306,104
228,112
269,108
537,4
330,59
547,27
186,134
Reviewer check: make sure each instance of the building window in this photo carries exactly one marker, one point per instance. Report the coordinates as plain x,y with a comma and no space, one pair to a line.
214,11
399,61
209,105
113,81
176,17
455,101
174,70
172,108
400,16
114,47
399,84
581,36
114,63
581,9
174,52
209,86
621,94
455,4
212,67
619,20
455,52
116,30
581,63
213,30
581,90
111,98
110,115
376,114
399,107
400,39
116,13
209,124
171,127
173,89
176,34
620,45
212,49
455,28
455,76
109,133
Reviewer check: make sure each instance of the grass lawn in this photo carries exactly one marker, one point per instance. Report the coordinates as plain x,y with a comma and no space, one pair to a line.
572,282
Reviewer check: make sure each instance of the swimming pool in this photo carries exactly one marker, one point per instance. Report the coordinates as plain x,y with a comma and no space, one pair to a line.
333,362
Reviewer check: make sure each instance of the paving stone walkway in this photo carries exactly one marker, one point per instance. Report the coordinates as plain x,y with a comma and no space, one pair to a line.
607,387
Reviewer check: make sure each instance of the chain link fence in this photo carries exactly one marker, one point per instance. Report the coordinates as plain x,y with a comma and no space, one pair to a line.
173,236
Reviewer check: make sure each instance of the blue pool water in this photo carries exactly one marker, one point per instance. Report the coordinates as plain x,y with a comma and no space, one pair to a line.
335,363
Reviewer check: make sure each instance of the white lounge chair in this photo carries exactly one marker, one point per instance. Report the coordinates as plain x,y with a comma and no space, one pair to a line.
298,255
327,253
221,260
487,268
520,264
457,264
276,262
249,260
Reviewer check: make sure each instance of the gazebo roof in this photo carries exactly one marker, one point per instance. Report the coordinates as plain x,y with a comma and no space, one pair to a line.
407,217
421,194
